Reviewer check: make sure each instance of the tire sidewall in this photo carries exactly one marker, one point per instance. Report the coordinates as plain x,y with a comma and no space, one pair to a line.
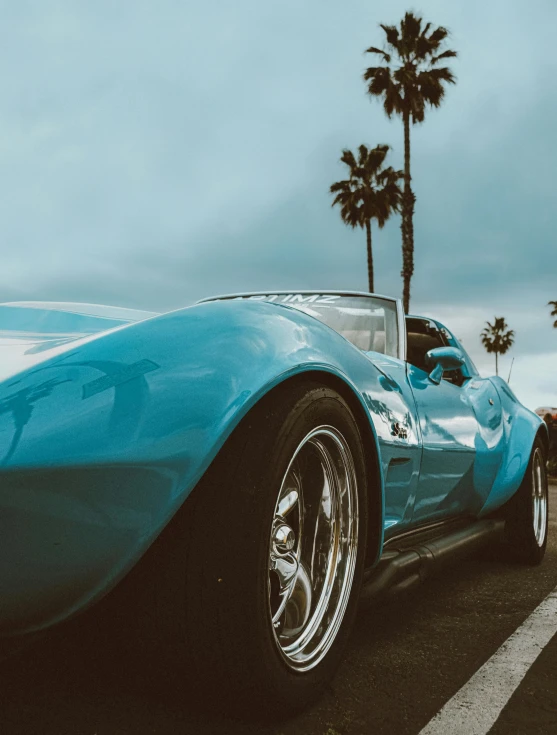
519,529
287,420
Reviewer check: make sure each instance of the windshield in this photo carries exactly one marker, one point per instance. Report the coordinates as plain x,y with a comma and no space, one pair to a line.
369,322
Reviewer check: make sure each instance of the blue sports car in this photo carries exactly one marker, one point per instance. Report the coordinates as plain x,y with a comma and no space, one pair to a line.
247,470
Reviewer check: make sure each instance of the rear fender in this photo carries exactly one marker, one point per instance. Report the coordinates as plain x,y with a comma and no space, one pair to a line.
521,427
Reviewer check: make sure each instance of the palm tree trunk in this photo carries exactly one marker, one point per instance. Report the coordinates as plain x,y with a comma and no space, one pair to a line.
407,224
496,363
369,257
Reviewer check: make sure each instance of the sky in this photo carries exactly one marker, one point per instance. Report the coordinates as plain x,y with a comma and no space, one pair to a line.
152,154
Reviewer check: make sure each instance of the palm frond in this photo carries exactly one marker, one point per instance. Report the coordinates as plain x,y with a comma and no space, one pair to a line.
429,86
348,158
380,74
363,155
389,176
381,84
405,76
427,46
340,186
411,80
374,160
437,37
445,55
497,337
441,73
429,91
553,311
410,28
423,48
372,192
391,32
393,101
389,197
417,107
374,50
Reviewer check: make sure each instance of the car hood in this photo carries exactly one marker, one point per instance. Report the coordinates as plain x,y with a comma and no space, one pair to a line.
32,331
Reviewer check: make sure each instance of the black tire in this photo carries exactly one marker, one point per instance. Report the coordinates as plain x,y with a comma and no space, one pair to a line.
207,603
525,535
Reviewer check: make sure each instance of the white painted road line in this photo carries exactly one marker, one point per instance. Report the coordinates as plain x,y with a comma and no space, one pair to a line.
474,709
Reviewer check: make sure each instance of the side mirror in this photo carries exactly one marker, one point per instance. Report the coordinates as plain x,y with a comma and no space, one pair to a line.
441,359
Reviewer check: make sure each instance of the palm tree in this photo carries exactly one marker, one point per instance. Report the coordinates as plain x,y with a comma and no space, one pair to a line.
371,192
497,338
410,79
553,311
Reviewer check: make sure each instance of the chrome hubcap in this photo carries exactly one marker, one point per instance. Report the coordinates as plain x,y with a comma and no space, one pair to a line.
539,497
284,539
313,548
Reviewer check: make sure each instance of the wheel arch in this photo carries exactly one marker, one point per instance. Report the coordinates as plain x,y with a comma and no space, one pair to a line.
370,448
189,393
543,435
522,429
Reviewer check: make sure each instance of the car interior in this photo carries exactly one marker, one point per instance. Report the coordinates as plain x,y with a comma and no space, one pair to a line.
423,335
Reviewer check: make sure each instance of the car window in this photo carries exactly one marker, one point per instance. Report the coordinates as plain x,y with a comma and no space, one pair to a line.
454,342
369,322
423,335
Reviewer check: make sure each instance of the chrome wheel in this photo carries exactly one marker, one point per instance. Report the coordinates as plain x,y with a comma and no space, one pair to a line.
313,548
539,497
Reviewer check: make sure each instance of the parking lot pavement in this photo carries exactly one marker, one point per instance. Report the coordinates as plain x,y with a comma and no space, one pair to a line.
404,661
532,710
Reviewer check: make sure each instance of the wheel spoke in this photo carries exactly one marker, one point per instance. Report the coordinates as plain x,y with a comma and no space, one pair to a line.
313,547
298,607
322,533
539,499
288,501
285,567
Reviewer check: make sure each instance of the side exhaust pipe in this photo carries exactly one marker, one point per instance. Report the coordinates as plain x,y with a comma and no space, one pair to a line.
401,569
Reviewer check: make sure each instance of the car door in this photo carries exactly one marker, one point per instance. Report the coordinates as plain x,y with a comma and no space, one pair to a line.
490,443
449,431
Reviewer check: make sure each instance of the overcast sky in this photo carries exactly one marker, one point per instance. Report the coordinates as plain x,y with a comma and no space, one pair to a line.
155,153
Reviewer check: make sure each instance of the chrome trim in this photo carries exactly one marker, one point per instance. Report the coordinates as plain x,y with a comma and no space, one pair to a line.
539,497
401,330
429,527
310,577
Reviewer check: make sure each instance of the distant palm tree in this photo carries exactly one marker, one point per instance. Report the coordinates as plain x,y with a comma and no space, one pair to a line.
553,311
371,193
409,80
497,338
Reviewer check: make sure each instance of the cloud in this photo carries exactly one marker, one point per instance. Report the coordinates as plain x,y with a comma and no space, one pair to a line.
153,157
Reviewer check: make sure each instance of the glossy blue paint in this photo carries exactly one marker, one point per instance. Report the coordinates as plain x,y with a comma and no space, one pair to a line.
506,433
443,358
448,432
108,419
520,428
102,437
402,453
490,441
469,368
502,442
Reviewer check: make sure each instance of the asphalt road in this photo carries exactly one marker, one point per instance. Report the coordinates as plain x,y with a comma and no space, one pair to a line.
404,661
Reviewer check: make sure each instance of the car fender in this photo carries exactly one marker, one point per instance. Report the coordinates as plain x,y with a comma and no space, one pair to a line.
102,442
521,427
